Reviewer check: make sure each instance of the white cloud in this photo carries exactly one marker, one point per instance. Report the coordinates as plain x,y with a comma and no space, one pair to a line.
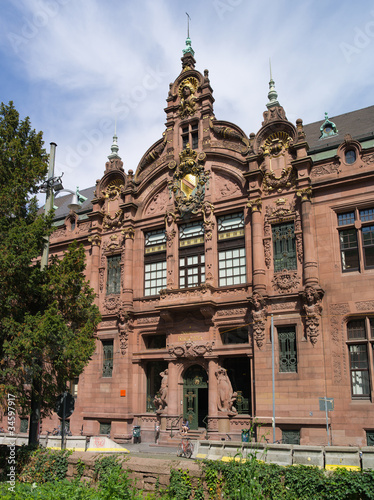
74,66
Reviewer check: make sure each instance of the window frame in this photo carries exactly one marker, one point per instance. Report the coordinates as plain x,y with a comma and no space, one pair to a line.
107,364
190,134
283,353
288,262
113,288
357,221
186,253
230,238
366,340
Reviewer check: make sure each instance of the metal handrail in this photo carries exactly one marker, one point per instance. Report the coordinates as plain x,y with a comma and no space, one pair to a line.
206,422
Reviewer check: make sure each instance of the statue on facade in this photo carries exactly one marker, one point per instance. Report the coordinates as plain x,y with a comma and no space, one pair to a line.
188,105
226,395
312,306
161,399
259,313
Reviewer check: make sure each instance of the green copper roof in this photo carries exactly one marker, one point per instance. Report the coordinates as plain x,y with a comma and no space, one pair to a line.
188,49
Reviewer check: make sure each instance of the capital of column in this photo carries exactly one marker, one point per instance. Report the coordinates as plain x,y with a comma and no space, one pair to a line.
305,194
95,240
255,205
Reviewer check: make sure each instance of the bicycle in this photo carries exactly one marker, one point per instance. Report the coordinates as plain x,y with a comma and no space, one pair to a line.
185,448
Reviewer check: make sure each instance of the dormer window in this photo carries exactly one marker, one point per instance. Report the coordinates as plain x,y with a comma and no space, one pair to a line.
328,128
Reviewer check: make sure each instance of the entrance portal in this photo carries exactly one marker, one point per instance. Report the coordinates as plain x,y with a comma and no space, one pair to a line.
195,396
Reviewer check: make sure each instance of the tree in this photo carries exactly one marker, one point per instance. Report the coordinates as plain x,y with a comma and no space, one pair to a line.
47,316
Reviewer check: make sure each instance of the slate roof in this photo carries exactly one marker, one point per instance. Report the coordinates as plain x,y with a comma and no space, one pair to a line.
359,124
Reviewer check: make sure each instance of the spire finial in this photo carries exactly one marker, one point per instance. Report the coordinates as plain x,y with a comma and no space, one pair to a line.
114,148
272,95
188,49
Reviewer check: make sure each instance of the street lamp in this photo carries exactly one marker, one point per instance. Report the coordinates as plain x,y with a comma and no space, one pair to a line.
51,186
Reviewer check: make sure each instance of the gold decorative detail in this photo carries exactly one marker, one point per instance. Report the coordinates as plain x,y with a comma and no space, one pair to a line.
113,189
286,180
95,240
305,194
276,144
129,233
255,205
112,221
186,92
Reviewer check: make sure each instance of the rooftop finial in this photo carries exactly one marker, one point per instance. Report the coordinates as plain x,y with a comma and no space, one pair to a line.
114,148
272,95
188,49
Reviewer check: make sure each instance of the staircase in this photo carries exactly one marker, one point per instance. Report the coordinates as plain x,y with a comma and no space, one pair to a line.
167,440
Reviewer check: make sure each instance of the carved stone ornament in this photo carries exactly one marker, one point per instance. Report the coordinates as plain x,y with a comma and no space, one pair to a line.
229,134
226,396
95,240
129,233
312,297
111,303
161,398
112,221
113,189
208,211
276,144
189,181
259,314
255,205
285,281
190,349
305,194
125,324
186,91
152,155
286,180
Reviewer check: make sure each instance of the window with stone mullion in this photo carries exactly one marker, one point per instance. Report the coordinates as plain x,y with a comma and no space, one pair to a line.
191,267
359,335
287,349
113,284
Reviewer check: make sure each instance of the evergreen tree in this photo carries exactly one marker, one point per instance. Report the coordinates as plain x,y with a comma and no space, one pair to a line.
47,316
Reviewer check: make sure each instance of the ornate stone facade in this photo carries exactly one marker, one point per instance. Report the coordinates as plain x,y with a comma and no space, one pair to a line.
223,245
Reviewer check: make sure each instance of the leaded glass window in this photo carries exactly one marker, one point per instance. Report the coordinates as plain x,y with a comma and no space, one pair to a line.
107,358
287,349
290,436
24,425
113,284
155,262
105,428
191,267
284,246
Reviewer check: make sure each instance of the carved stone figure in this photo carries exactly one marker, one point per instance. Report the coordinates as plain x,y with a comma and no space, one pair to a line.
188,105
226,395
259,313
125,324
313,308
161,400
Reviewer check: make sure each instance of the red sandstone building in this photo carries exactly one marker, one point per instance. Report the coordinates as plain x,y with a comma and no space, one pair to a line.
214,234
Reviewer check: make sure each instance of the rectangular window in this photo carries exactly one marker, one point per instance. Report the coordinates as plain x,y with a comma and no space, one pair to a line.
113,283
24,425
191,255
290,436
190,135
287,349
105,428
356,239
107,358
284,246
349,250
155,341
155,262
235,336
231,250
360,336
370,438
191,267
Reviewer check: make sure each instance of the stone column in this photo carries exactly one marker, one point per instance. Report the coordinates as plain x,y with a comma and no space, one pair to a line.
127,266
212,384
95,240
173,396
257,247
309,258
172,279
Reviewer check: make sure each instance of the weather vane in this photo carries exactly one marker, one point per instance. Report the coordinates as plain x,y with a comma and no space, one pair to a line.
188,25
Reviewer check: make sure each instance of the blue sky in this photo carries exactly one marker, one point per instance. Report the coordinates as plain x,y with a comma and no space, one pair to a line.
73,66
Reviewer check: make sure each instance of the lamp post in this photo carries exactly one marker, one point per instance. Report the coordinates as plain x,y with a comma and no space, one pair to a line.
51,186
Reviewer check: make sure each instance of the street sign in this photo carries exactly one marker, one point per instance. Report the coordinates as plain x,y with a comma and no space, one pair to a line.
326,404
69,405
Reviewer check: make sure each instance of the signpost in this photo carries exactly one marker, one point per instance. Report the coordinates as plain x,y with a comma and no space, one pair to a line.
64,409
326,405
